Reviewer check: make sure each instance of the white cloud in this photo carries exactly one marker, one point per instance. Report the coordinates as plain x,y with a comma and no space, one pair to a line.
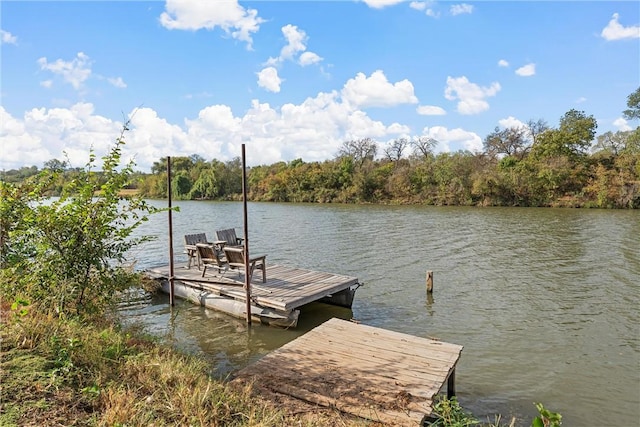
74,72
621,124
470,96
432,13
117,82
269,80
511,122
203,94
503,63
313,130
527,70
454,139
46,83
45,134
581,100
296,42
379,4
459,9
430,110
426,7
398,129
615,31
309,58
377,91
7,38
193,15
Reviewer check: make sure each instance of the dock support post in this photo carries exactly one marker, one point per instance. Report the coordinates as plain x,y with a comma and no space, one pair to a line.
171,269
451,384
247,272
429,282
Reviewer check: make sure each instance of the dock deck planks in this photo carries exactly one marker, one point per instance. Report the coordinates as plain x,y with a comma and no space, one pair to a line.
368,372
286,289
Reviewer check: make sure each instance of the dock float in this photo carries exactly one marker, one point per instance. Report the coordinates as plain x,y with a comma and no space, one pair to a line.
275,302
368,372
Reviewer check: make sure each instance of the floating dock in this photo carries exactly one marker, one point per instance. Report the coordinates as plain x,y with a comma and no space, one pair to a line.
275,302
372,373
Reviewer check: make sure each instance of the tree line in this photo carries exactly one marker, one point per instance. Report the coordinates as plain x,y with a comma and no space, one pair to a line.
531,165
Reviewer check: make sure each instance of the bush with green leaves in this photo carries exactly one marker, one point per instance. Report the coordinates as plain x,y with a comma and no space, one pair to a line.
67,254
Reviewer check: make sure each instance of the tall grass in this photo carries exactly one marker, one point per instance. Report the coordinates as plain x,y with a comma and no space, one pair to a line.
68,372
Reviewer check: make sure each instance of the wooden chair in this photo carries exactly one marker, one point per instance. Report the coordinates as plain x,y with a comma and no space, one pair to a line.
235,259
190,242
208,256
229,236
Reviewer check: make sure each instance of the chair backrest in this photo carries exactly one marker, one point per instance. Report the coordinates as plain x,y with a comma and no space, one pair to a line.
235,256
228,235
207,254
194,239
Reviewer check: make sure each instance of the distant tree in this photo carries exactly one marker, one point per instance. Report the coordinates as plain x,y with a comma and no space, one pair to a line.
159,167
181,185
572,139
511,141
55,165
196,158
360,150
613,143
396,149
633,102
424,145
206,185
536,128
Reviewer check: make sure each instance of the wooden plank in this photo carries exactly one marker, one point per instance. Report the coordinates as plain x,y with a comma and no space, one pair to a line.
373,358
369,372
348,394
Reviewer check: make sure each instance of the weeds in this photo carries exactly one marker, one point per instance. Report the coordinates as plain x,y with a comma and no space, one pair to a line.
62,372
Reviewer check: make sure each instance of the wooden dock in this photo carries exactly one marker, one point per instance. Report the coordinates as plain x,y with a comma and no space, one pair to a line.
372,373
276,302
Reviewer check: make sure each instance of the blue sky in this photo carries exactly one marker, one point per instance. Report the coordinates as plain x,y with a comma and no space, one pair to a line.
295,79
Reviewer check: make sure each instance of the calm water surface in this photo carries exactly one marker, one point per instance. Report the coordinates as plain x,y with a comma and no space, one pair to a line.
544,301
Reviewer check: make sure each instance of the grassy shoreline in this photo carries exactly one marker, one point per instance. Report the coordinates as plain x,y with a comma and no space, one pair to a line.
70,372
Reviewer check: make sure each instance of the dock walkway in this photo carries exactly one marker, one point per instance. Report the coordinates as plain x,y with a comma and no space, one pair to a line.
365,371
280,297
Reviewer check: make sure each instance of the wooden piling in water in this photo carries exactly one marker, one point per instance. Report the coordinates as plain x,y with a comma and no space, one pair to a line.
429,281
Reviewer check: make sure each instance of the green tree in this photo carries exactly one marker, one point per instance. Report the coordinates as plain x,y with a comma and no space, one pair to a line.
206,186
181,185
573,138
633,102
56,165
68,255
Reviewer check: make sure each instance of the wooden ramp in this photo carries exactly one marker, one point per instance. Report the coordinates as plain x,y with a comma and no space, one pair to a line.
285,291
368,372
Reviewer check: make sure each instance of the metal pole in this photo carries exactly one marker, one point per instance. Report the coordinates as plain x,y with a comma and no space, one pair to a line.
247,279
171,299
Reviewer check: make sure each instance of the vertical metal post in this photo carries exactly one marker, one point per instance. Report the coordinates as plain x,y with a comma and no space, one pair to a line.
171,297
247,277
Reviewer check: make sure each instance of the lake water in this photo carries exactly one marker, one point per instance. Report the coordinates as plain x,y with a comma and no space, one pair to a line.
544,301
